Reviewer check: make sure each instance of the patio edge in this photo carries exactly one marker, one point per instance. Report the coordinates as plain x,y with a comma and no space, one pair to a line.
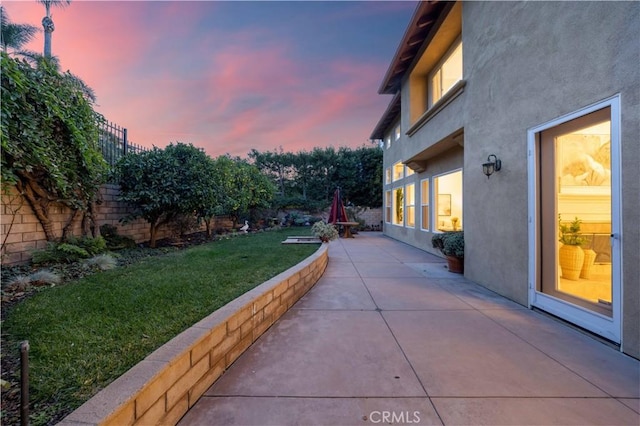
161,388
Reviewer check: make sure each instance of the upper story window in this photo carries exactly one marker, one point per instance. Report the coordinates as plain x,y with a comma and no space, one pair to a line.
387,176
388,141
446,74
397,132
438,69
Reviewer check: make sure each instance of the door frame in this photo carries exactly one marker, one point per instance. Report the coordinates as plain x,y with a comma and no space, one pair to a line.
607,327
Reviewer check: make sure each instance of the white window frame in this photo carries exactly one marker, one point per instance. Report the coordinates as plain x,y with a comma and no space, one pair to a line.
393,171
408,206
427,204
608,327
388,206
431,100
435,193
394,206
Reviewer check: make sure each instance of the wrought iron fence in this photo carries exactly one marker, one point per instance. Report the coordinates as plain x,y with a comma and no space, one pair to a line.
114,143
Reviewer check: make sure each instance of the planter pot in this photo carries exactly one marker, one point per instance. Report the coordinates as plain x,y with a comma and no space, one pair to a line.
571,261
587,265
455,264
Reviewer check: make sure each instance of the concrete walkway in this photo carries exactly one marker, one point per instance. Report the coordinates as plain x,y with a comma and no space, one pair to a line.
389,336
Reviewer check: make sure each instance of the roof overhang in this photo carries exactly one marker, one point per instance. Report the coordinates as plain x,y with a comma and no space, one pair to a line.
424,19
391,114
418,163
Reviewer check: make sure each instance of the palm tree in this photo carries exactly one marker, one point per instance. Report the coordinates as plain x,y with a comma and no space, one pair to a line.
47,22
14,36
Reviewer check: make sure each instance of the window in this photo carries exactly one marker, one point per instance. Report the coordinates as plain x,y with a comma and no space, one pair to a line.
398,171
446,75
397,132
388,141
409,171
447,189
410,206
387,176
387,206
424,204
398,206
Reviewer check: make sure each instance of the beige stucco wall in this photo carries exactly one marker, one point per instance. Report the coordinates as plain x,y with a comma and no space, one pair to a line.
526,64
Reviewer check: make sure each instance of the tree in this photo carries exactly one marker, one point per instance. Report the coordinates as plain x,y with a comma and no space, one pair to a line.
49,142
243,187
310,178
14,36
162,184
47,22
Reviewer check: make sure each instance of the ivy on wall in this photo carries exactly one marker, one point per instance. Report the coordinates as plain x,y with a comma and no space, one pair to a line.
49,141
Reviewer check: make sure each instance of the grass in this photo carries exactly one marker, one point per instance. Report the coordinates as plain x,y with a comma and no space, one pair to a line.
85,334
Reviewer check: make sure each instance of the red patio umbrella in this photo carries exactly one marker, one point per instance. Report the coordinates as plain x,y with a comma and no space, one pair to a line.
337,212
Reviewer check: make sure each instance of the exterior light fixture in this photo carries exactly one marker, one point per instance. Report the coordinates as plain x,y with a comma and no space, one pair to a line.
492,165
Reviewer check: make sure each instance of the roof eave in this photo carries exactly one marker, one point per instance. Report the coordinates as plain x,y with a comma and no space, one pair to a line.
423,20
389,116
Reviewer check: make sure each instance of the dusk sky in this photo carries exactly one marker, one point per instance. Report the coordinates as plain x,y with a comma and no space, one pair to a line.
229,76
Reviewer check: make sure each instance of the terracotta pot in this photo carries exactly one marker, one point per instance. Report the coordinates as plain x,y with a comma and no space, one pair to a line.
455,264
571,261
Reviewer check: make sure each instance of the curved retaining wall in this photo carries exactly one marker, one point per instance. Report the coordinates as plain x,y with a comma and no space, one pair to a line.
161,388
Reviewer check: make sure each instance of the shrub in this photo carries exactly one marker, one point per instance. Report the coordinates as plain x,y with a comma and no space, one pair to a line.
183,224
45,277
115,241
103,261
325,231
93,246
72,251
449,243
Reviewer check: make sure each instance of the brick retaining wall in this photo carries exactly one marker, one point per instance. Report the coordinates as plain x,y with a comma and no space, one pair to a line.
166,384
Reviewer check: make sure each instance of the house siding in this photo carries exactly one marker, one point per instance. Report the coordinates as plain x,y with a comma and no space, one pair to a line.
526,63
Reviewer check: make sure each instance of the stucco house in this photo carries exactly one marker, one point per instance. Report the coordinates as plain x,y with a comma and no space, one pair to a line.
552,91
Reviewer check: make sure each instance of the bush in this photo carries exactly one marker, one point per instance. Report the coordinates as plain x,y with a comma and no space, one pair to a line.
449,243
68,252
183,224
115,241
325,231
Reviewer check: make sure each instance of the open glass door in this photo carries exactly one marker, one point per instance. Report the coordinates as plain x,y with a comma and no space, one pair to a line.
576,275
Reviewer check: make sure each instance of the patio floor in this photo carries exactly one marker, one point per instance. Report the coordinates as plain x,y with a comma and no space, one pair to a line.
389,336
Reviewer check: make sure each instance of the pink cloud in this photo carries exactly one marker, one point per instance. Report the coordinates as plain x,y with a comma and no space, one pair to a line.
225,91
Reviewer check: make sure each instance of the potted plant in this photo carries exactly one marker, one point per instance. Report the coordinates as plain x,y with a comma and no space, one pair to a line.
324,231
571,256
451,244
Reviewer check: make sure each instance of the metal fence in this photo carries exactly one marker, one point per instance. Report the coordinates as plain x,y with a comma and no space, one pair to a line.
114,144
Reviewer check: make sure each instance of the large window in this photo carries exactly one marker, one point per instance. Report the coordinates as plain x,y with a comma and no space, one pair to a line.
398,206
446,74
424,204
447,189
398,171
410,206
387,206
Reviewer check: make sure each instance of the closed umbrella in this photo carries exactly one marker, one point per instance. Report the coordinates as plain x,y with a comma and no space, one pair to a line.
337,212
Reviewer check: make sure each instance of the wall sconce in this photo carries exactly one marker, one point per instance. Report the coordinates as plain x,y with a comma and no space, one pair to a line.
491,165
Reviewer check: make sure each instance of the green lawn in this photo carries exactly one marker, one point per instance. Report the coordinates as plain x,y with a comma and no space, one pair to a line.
85,334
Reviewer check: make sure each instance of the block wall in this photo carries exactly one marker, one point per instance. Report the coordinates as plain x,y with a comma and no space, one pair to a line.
24,233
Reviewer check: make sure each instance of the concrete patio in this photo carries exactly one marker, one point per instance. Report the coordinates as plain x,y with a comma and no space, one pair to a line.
388,335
